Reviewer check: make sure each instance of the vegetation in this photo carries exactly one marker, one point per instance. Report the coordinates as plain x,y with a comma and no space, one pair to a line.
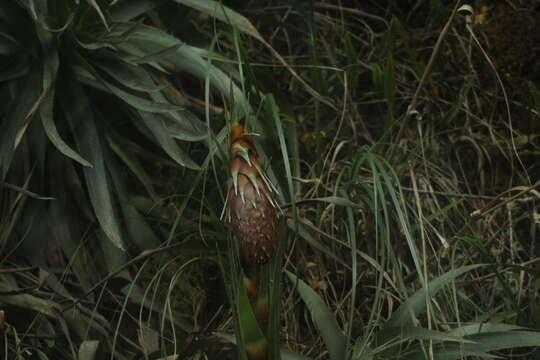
402,139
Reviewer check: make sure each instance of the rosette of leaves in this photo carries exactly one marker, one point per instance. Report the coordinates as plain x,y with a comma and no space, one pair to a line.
87,110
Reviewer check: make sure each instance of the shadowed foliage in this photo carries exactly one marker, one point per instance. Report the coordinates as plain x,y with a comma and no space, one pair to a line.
382,190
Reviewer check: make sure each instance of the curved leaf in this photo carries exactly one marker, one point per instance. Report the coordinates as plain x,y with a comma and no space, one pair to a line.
129,9
132,77
149,40
183,125
80,116
19,111
51,63
119,147
138,102
161,134
52,133
416,304
140,232
480,345
217,10
323,318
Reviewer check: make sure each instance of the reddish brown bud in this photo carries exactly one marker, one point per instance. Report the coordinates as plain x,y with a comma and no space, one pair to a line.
252,209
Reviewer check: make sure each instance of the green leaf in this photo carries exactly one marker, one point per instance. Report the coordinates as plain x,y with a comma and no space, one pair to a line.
377,76
132,77
273,112
148,40
26,301
389,81
502,340
287,354
183,125
141,233
45,329
98,10
323,318
250,339
336,200
217,10
86,78
64,179
300,229
81,119
252,334
471,329
113,256
416,304
157,127
138,102
52,133
158,56
20,111
458,104
129,9
121,149
49,54
480,345
51,63
398,335
88,350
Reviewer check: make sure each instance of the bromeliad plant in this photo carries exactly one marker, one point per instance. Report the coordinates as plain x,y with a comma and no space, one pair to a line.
88,110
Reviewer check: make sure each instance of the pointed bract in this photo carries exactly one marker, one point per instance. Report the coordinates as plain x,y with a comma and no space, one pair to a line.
252,208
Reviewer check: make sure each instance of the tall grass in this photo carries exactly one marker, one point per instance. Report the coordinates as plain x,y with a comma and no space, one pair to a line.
407,177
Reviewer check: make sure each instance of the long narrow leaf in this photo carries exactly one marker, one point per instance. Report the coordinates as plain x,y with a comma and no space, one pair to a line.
161,134
51,63
416,304
119,147
481,344
128,9
140,232
138,102
19,111
131,76
323,318
80,116
146,39
217,10
52,133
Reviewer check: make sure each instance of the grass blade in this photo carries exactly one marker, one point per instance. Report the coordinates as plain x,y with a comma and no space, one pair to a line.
480,345
416,304
323,318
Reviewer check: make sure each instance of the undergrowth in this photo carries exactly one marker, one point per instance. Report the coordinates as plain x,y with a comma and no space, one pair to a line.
403,138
